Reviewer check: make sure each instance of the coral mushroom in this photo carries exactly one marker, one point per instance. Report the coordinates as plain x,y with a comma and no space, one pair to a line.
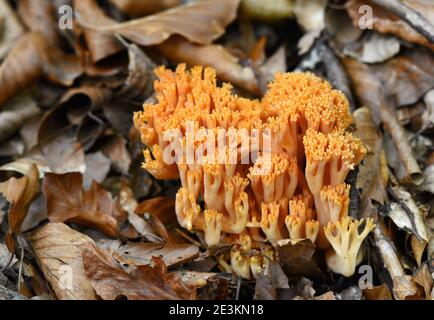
254,172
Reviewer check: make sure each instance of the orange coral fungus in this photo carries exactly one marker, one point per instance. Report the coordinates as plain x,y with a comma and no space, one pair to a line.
254,172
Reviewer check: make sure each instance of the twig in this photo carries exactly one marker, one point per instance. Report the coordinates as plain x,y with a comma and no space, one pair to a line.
413,18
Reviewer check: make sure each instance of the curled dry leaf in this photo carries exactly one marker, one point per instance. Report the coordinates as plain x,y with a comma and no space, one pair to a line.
227,66
424,278
10,28
379,48
386,22
195,278
68,201
139,8
115,148
200,22
143,283
57,248
20,193
97,168
15,114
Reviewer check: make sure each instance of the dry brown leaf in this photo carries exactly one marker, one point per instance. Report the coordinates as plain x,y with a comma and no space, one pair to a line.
16,113
141,254
424,278
68,201
380,292
200,22
31,58
227,66
408,77
418,247
386,22
144,283
101,46
40,16
10,29
268,10
20,193
139,8
370,91
297,259
115,148
57,248
370,178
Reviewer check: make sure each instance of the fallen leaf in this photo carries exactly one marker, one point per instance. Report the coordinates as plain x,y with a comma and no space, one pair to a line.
40,17
297,259
274,64
31,58
380,292
15,113
418,247
428,184
115,148
424,278
68,201
227,66
57,248
200,22
194,278
379,48
406,215
407,77
144,283
20,193
267,11
386,22
11,28
310,15
97,168
139,8
217,288
101,46
372,170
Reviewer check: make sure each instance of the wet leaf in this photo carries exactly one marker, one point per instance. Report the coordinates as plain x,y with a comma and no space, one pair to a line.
144,283
58,250
68,201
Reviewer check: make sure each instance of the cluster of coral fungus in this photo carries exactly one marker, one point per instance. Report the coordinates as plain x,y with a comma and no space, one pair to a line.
294,189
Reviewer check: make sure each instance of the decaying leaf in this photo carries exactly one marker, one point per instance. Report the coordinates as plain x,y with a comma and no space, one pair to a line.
418,247
68,201
144,283
57,248
200,22
227,66
379,48
424,278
